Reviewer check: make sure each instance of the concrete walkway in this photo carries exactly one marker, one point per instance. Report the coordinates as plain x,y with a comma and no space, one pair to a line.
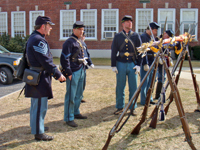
184,73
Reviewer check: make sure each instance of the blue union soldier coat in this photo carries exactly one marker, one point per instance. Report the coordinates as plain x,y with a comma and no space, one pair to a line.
118,51
70,48
39,55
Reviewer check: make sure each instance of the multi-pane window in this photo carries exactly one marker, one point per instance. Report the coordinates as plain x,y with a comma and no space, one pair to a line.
18,23
67,19
89,17
143,17
3,23
32,17
188,20
109,26
170,15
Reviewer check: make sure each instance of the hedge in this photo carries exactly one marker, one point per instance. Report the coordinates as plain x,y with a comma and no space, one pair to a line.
196,52
13,44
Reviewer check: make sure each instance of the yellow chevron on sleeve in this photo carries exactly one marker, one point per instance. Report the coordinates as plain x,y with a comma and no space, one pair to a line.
155,50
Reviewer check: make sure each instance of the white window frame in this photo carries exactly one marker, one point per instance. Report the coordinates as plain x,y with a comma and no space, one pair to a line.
196,20
102,22
95,21
31,29
137,17
61,22
12,22
5,20
173,22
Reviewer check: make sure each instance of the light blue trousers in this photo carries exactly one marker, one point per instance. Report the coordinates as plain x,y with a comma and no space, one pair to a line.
146,85
73,95
38,111
124,70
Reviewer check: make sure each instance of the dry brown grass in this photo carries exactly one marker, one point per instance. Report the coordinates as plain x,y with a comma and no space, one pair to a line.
92,133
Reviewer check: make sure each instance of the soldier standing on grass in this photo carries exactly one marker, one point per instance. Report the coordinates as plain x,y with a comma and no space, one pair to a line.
125,62
147,61
88,62
39,56
72,62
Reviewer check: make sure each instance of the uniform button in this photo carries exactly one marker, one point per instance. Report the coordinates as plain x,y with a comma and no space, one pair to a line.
51,73
126,45
83,53
126,48
127,58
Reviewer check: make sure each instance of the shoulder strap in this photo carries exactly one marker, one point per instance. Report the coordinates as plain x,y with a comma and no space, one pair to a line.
128,37
81,46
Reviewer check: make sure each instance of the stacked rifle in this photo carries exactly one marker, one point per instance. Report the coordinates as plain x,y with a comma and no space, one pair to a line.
174,94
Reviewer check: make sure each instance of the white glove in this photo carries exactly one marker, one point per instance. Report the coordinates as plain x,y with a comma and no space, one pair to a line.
160,61
85,62
146,67
155,43
114,69
92,65
137,69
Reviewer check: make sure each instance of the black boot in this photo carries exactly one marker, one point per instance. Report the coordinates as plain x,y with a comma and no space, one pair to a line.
158,90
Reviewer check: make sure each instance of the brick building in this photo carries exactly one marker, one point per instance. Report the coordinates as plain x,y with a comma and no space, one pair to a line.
101,17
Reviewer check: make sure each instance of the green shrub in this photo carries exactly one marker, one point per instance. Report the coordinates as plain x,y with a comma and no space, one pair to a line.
13,44
4,40
196,52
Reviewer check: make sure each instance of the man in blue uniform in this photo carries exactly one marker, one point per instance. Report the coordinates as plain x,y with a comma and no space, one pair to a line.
88,62
72,62
146,37
39,56
125,62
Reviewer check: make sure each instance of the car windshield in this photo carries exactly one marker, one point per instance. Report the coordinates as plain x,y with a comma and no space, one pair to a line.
3,50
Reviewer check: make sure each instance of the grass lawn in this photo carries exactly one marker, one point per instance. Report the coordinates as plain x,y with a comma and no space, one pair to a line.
92,133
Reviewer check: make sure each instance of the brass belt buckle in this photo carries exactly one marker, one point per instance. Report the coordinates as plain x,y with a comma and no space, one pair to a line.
126,54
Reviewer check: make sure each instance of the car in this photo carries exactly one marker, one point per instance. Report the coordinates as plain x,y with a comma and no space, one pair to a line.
9,62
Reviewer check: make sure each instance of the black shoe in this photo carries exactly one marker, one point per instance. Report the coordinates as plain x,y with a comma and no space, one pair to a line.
79,116
118,111
43,137
153,103
133,113
83,101
72,123
46,128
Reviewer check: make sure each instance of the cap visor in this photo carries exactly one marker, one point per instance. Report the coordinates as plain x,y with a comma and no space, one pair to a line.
51,23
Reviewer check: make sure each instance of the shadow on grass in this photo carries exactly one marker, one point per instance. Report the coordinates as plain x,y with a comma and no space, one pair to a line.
8,138
25,111
171,123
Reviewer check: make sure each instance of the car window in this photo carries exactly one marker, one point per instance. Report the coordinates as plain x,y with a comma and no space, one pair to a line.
3,50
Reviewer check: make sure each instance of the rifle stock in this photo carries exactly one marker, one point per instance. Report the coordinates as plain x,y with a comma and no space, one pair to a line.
154,117
107,142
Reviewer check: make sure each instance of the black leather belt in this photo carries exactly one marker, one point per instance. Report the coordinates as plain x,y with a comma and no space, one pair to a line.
151,55
122,54
37,68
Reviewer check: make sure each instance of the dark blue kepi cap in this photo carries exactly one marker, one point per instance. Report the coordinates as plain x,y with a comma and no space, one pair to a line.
170,32
78,24
127,17
154,25
43,20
